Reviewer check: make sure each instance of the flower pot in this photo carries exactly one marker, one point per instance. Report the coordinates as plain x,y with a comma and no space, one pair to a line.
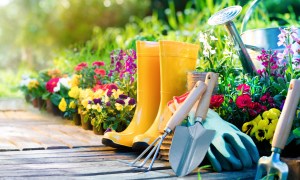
98,131
49,106
40,102
35,102
85,125
194,76
27,98
77,119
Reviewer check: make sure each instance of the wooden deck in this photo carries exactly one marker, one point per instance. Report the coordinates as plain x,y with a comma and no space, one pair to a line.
36,145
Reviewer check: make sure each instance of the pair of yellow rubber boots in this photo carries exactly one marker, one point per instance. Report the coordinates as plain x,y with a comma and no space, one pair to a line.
161,74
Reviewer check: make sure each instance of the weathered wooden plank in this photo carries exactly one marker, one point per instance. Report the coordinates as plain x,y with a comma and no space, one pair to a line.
2,116
6,145
105,154
78,133
12,104
59,136
59,151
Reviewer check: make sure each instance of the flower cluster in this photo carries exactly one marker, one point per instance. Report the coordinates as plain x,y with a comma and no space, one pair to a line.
108,107
242,104
89,76
263,126
123,64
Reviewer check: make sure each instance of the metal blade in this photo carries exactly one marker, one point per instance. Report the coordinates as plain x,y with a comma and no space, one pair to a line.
188,148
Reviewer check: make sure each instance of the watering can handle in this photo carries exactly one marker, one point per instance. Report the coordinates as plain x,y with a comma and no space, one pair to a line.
248,14
286,118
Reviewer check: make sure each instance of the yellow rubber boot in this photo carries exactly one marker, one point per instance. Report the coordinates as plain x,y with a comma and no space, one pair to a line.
148,96
176,59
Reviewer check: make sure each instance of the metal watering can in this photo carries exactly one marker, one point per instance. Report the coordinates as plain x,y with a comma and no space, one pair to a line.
251,42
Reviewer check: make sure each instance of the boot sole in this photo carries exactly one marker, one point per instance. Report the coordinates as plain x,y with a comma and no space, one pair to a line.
110,143
139,146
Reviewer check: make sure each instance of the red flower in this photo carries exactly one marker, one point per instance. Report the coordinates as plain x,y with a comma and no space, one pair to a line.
216,100
51,84
104,87
245,88
81,66
98,63
101,72
243,100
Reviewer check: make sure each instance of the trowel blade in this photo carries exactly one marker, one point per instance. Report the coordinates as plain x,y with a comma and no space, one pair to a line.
188,148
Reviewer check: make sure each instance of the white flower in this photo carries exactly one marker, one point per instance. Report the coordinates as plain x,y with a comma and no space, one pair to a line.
213,51
206,53
57,87
213,38
202,37
65,82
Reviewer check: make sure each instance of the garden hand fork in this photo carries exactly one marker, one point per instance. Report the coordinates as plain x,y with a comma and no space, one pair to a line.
272,164
176,119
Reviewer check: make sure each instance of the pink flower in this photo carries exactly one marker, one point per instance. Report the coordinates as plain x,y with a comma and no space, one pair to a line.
243,101
101,72
216,101
51,84
98,63
81,66
245,88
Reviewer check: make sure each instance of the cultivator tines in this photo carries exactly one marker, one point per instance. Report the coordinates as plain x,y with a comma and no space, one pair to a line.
224,15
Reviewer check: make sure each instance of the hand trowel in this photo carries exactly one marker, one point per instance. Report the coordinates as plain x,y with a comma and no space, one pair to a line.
190,144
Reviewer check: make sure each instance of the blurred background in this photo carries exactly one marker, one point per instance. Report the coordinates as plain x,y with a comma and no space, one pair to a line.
43,34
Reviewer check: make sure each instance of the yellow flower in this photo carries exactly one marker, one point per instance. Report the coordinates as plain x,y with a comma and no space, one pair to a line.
260,134
89,106
33,84
85,102
74,92
263,124
62,105
276,111
116,93
270,132
98,94
250,127
72,105
106,98
126,101
257,119
265,114
75,80
131,107
119,106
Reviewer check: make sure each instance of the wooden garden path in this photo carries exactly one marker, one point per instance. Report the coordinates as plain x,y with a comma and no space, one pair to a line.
36,145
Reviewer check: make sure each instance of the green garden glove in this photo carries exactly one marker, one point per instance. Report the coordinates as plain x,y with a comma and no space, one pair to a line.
230,149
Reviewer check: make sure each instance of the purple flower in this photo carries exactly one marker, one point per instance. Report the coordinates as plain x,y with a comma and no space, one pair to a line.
123,96
108,104
282,104
109,93
120,101
90,102
131,101
97,101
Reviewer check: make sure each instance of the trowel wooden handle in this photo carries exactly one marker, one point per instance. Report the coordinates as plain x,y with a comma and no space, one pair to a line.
187,105
210,81
287,115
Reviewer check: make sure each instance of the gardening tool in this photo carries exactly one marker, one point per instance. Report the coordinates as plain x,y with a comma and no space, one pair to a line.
148,96
190,144
272,165
176,119
253,40
176,59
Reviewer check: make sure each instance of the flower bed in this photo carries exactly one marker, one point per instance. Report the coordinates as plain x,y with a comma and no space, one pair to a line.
105,94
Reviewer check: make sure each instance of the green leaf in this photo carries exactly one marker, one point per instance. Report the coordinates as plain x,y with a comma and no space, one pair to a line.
55,99
296,132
